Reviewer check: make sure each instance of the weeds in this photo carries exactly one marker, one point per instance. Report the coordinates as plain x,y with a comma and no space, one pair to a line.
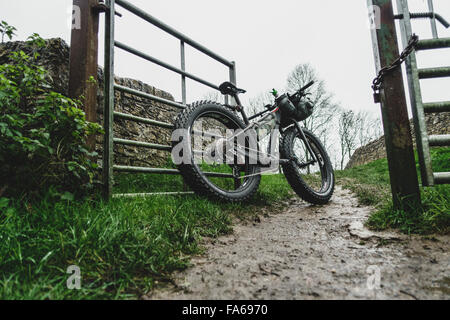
370,183
122,247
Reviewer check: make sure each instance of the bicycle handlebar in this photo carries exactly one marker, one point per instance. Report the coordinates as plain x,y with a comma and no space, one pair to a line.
301,92
307,86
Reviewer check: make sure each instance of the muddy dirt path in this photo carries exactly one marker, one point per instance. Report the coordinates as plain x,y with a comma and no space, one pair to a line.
310,252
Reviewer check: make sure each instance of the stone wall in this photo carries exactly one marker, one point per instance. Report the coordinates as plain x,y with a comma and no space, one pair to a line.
130,104
55,58
438,123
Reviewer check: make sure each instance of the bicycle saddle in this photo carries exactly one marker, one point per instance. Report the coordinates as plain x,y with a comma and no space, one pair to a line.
229,88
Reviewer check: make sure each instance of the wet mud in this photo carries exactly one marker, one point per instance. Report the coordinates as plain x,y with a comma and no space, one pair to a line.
311,252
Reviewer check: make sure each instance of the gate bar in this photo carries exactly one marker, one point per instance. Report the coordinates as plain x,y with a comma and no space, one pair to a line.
428,44
118,168
442,177
142,144
183,68
429,73
142,14
149,96
415,93
130,117
166,171
163,64
441,140
437,107
108,118
134,195
433,19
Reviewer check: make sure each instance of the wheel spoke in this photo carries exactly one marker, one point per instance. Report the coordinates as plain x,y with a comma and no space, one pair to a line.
311,171
213,153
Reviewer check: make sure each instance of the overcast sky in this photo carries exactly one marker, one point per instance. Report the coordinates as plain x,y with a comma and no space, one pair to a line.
267,39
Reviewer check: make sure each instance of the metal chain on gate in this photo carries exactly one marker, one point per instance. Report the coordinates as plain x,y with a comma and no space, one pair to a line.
377,82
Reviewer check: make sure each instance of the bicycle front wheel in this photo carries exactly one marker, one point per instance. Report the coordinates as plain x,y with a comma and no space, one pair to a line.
312,179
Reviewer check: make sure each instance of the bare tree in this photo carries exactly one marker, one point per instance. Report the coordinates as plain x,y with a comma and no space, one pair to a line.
214,95
325,110
368,128
258,103
356,129
348,129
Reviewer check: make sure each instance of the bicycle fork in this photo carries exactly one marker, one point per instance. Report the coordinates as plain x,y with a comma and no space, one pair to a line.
308,147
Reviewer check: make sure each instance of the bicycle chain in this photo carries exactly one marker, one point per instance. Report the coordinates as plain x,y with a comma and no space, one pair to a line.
377,82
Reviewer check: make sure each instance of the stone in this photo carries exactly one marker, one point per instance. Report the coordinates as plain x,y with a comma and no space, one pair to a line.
437,123
54,57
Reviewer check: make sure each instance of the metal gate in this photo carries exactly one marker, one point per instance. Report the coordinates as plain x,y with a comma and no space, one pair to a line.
110,115
419,108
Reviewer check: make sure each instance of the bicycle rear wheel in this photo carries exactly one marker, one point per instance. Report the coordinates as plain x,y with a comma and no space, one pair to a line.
209,173
312,180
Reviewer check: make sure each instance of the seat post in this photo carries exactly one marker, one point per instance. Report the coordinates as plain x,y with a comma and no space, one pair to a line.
238,102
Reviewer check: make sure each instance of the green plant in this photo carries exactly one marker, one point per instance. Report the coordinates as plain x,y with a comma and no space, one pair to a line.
6,30
370,182
42,132
122,246
433,217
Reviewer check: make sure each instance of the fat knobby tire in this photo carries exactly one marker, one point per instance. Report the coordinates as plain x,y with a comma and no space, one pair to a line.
294,177
191,173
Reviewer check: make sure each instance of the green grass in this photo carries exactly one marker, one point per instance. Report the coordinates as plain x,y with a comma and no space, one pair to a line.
122,247
370,182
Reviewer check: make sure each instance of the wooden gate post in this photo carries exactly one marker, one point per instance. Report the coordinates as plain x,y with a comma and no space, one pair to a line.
397,132
83,58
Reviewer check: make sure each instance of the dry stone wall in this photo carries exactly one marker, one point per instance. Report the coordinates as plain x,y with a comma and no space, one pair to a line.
55,58
438,123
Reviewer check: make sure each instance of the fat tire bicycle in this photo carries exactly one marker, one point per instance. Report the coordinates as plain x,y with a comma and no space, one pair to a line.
304,160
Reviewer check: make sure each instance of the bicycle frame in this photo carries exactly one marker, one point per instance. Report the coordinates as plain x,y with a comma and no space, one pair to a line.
217,140
277,128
